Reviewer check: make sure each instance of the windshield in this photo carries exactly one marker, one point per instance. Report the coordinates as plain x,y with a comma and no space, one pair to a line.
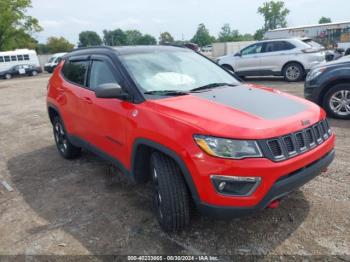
52,59
174,70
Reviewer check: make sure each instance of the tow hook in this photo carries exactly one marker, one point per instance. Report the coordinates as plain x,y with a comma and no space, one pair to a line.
274,204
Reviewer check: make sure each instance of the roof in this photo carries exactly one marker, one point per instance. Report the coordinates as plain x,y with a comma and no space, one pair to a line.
310,26
124,50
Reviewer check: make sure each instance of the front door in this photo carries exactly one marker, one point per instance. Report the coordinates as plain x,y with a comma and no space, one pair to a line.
248,63
105,119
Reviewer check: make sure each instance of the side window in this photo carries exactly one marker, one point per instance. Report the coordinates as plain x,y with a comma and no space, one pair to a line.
75,71
26,57
20,57
13,58
101,74
1,59
277,46
288,46
251,50
7,58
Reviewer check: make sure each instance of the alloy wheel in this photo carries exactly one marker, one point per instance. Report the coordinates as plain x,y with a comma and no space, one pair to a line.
293,72
340,103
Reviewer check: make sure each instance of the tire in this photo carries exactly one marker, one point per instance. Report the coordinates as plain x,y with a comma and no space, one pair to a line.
228,67
34,73
66,149
293,72
8,76
338,96
171,196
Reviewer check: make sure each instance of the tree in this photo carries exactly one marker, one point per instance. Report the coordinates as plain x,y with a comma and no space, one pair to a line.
259,34
274,13
227,34
202,36
325,20
133,37
166,37
16,27
147,40
58,44
114,38
89,38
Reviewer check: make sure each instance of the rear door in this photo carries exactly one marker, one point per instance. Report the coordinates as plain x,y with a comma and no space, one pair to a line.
248,63
274,55
71,92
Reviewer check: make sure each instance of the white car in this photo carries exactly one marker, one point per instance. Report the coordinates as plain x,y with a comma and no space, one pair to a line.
291,58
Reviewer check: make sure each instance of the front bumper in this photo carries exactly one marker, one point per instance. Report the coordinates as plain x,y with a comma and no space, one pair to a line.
282,187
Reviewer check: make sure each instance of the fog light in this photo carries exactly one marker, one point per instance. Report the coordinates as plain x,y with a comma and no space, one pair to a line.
222,186
235,185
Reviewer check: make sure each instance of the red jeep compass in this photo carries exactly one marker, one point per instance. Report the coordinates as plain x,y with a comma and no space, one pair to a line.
170,115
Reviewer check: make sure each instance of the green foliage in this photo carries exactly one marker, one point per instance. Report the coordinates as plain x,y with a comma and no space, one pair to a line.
166,37
119,37
202,36
114,38
325,20
42,49
16,27
58,45
275,14
89,38
147,40
259,34
230,35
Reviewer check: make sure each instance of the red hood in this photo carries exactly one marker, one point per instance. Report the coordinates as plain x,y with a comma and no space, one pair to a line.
244,112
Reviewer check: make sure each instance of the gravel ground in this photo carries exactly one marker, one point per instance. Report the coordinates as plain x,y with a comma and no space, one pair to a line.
67,207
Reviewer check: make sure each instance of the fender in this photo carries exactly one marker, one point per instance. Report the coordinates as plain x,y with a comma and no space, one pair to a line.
165,150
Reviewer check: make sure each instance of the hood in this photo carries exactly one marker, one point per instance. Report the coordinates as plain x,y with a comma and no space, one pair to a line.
244,112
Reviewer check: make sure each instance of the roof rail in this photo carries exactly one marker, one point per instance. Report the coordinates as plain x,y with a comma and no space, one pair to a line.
92,47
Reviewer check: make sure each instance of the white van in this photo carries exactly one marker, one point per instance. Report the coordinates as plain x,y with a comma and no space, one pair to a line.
53,62
9,59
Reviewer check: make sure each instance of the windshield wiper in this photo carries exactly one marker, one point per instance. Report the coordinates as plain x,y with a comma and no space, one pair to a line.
210,86
166,93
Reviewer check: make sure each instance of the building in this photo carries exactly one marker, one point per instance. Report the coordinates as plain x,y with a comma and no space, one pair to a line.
329,35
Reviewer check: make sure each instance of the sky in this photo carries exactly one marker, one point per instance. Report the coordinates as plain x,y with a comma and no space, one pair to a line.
68,18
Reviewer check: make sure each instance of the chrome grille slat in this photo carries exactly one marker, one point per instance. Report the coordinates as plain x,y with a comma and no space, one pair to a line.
287,146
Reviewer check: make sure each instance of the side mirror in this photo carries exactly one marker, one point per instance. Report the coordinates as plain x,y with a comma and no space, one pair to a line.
238,54
111,90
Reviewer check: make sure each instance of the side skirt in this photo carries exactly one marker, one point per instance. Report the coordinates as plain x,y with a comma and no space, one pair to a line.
77,141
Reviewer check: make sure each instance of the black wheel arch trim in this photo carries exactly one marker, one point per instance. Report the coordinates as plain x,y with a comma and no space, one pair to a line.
328,85
169,152
77,141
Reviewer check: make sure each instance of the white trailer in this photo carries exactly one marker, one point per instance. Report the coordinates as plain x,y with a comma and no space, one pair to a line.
328,35
9,59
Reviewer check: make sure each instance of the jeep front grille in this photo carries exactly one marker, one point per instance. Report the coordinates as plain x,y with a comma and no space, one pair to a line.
288,146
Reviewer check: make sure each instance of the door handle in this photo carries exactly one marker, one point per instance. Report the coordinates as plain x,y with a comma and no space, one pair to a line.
87,100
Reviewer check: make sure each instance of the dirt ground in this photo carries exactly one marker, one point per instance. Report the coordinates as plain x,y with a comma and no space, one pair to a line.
66,207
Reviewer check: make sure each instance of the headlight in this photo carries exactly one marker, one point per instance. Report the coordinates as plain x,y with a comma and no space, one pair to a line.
315,73
228,148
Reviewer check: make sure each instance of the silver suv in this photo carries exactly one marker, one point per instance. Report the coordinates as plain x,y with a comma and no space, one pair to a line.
291,58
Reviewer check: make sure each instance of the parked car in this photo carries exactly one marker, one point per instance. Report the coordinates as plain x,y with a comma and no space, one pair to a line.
207,48
9,59
174,117
53,62
21,70
328,85
291,58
